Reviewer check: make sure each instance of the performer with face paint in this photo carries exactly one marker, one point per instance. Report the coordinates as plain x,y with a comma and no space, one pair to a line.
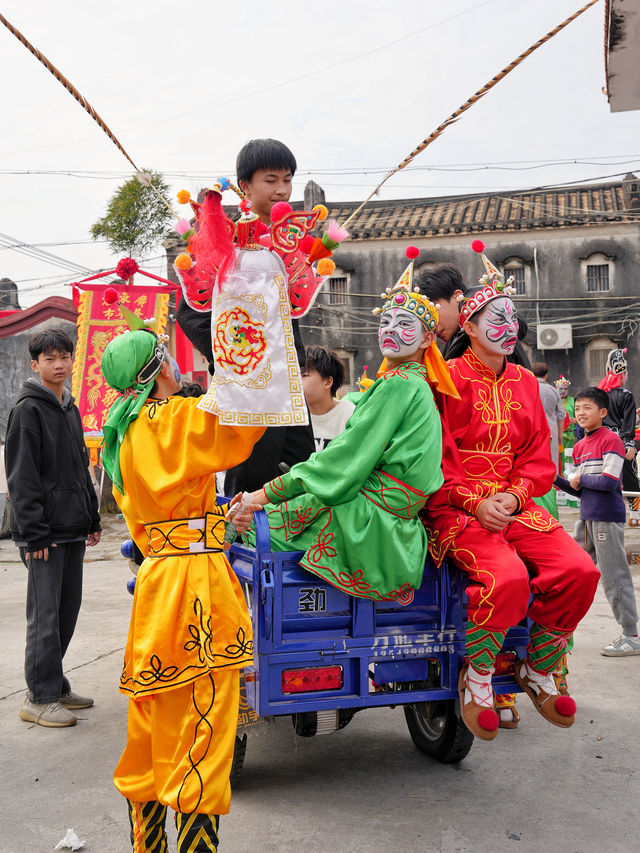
496,458
353,508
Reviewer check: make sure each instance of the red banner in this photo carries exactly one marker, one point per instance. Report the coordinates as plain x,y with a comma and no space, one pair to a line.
98,323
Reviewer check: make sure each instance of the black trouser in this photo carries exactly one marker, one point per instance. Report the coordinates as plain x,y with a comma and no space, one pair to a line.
278,444
54,593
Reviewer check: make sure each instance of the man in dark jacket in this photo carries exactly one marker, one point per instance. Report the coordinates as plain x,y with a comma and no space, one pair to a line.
621,414
55,516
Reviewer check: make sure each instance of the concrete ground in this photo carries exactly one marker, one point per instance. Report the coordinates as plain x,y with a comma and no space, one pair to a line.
365,788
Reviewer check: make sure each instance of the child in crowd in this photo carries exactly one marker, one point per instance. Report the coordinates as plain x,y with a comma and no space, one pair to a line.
598,459
322,376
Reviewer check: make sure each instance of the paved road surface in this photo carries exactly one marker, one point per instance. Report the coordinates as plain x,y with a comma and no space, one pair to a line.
365,789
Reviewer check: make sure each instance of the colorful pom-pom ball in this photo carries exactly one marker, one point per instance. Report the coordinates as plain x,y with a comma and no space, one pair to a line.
183,262
111,295
244,205
322,212
184,197
488,720
306,244
477,246
412,252
565,705
325,266
280,209
224,183
126,267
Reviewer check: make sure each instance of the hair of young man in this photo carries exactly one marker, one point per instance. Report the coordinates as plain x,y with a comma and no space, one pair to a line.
327,364
263,154
440,282
50,340
596,395
540,369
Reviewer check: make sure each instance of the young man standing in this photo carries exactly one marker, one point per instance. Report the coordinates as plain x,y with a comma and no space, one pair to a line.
55,515
322,376
495,460
265,170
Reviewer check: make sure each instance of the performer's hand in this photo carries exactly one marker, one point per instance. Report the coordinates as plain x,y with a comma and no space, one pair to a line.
507,500
492,515
574,482
259,498
94,538
630,454
241,512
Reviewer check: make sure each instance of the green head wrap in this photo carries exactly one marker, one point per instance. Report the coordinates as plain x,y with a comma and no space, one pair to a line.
130,364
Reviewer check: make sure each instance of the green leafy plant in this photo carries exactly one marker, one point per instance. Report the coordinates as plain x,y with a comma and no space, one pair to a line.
136,219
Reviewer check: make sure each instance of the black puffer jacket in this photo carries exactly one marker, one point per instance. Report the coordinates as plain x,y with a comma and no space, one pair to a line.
47,465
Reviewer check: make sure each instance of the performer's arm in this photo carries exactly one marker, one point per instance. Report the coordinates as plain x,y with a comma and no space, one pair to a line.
628,419
337,474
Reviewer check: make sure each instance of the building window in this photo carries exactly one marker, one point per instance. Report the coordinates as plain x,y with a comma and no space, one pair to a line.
597,352
518,280
598,272
515,267
338,290
597,278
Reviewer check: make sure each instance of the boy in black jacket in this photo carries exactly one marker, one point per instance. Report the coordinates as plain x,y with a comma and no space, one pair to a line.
56,514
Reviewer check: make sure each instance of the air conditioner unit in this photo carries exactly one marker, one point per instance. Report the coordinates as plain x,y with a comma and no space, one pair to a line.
556,336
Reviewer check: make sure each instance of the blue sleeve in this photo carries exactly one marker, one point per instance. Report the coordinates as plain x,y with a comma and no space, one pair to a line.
563,484
598,482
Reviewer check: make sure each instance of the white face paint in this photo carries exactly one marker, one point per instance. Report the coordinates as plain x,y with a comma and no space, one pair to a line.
399,334
498,326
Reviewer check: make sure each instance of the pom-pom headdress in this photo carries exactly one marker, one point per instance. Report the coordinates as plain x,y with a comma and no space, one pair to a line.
493,286
404,295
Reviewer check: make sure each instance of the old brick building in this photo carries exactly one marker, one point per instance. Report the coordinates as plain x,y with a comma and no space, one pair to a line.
574,252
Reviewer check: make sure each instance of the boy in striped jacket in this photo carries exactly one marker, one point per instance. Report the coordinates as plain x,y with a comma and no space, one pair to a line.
598,460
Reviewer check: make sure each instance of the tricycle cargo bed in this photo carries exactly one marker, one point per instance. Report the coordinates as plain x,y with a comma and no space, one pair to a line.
317,648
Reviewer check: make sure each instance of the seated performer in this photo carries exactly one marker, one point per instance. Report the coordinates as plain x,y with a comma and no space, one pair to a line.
190,633
353,507
496,457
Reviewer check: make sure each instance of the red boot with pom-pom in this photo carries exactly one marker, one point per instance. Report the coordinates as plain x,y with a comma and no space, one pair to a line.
476,705
541,688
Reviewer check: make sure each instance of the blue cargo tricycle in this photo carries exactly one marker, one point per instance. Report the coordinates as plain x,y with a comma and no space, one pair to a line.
321,655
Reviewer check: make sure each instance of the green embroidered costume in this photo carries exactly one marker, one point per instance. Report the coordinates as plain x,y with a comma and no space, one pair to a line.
353,507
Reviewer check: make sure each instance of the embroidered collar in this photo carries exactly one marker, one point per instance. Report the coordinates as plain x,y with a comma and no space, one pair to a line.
480,367
410,366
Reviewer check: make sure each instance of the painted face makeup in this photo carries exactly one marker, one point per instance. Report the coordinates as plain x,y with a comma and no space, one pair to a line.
498,326
399,333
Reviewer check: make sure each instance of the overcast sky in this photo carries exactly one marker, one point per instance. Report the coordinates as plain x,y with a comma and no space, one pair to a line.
351,87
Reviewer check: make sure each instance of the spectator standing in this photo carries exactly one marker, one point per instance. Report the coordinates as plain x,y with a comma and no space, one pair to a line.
553,409
322,376
598,459
55,516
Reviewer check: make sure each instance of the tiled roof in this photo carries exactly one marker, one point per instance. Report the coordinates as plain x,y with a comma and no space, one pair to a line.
510,211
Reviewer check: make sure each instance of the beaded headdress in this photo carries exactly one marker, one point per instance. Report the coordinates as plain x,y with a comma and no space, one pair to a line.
562,382
404,295
493,286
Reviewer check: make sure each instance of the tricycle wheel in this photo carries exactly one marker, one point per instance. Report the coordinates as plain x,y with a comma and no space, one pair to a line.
239,750
437,730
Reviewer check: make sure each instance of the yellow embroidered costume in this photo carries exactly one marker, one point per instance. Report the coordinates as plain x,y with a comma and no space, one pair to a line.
190,633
